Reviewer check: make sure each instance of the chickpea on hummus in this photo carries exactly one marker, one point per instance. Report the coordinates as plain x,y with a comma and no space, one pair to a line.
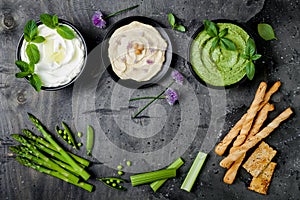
136,51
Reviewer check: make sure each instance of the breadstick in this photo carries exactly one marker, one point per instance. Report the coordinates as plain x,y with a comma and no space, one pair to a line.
251,142
222,146
269,93
260,119
232,171
251,113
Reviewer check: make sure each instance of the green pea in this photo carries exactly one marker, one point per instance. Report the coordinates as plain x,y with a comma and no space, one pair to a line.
120,167
114,185
128,163
79,134
120,173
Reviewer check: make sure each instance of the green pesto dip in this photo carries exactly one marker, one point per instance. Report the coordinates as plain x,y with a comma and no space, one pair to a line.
219,67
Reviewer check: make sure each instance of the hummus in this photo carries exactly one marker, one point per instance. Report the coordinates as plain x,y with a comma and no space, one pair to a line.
61,60
136,51
219,67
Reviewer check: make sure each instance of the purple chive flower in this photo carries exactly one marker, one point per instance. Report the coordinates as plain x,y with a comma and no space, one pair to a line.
177,77
171,96
98,20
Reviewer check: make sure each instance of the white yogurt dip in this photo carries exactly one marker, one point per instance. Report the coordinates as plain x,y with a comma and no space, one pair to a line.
136,51
61,60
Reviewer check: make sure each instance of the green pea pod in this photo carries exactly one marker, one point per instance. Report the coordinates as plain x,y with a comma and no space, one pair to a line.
70,135
113,183
89,140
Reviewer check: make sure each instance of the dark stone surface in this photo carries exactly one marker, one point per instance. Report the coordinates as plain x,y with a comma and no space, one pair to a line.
202,117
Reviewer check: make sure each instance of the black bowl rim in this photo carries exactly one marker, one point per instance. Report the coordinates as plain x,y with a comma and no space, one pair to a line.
18,56
129,83
201,28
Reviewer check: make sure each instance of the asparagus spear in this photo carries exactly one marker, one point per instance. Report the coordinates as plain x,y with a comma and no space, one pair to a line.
24,152
83,173
34,151
41,140
39,168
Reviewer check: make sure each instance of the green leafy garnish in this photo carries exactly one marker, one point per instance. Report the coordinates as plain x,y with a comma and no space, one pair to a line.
48,20
65,32
266,31
218,36
30,30
33,53
250,70
38,39
35,81
22,74
27,70
250,55
172,21
52,22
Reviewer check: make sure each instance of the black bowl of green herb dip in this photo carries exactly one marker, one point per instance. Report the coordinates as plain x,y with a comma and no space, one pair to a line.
219,67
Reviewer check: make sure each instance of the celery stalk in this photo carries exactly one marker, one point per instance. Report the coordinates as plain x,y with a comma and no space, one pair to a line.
150,177
193,172
175,165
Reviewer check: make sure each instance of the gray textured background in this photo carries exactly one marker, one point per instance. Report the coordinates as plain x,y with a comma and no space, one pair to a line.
216,110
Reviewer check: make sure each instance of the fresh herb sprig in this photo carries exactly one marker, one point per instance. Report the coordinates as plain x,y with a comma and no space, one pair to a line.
250,55
218,36
27,69
52,22
176,26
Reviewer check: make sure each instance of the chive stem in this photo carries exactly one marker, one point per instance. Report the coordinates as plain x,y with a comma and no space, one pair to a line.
120,11
141,98
157,97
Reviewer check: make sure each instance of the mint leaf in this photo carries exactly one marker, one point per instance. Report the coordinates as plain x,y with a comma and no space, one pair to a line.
171,19
215,42
27,38
33,53
22,74
211,28
36,82
47,20
227,44
179,28
30,30
38,39
266,31
255,57
65,32
55,20
250,70
250,47
223,32
31,67
23,66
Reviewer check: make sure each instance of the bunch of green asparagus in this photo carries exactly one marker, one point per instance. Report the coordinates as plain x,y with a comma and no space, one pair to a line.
44,154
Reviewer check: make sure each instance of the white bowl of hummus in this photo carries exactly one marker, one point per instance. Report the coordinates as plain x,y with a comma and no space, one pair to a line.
137,52
219,68
61,60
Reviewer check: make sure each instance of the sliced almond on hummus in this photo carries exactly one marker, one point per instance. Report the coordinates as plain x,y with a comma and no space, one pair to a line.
261,183
259,159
